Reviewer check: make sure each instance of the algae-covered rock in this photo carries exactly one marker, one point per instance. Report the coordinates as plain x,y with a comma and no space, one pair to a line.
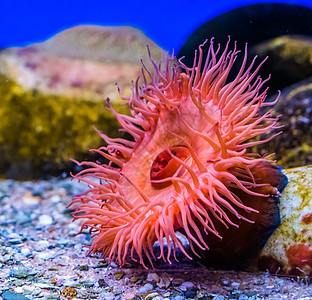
289,249
52,93
289,59
255,24
293,148
39,132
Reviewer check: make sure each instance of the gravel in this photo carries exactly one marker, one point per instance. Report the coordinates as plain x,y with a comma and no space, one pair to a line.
41,257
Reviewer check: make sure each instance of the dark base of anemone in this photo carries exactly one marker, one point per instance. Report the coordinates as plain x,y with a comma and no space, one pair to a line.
241,244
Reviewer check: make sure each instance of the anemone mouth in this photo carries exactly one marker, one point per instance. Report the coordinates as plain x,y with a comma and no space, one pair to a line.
164,166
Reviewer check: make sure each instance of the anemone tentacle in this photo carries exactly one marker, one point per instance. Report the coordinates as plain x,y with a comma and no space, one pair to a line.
189,156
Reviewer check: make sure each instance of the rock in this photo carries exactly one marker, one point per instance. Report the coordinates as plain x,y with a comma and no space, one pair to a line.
164,281
29,199
293,148
52,93
179,297
102,283
289,59
186,285
149,295
289,250
42,245
119,275
130,296
20,272
152,277
190,294
251,24
101,44
218,297
145,288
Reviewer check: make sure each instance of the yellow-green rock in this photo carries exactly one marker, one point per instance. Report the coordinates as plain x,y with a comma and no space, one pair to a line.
39,128
52,93
289,60
289,249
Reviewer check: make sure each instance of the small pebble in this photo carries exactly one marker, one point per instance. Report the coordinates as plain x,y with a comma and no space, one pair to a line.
55,199
164,281
87,283
119,275
113,265
225,282
218,297
29,199
149,296
107,296
42,245
19,272
19,290
130,296
28,288
45,220
235,285
46,255
152,277
190,293
259,281
25,251
83,268
102,283
281,283
145,288
63,242
117,292
186,285
134,279
177,281
13,296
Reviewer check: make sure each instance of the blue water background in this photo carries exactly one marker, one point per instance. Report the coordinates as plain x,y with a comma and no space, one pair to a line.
168,23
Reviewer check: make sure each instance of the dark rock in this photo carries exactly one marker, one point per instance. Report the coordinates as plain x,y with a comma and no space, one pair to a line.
293,147
83,268
289,60
252,24
190,294
102,283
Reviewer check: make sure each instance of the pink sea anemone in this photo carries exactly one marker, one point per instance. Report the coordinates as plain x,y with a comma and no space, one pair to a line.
187,167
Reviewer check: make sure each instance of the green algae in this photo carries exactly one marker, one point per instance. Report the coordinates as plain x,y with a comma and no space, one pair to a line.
42,128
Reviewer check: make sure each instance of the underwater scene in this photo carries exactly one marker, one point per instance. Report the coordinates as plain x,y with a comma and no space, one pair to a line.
156,150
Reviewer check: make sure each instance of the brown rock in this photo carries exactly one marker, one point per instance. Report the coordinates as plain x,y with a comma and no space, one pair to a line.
83,61
52,93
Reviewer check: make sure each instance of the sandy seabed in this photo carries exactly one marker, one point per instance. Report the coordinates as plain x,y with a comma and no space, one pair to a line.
41,257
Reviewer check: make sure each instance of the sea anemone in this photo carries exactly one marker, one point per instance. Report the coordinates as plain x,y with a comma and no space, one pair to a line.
186,167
